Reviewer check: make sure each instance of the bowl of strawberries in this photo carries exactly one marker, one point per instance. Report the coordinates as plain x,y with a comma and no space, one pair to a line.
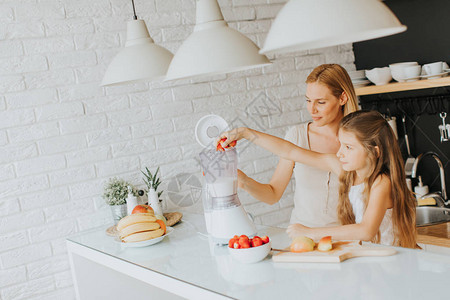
249,250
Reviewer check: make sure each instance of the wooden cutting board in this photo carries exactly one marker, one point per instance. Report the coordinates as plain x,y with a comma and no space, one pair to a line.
341,251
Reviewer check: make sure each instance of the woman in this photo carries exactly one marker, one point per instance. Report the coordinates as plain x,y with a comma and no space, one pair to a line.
374,201
330,96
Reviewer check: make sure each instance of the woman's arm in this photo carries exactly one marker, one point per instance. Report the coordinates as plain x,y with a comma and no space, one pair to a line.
283,148
271,192
380,200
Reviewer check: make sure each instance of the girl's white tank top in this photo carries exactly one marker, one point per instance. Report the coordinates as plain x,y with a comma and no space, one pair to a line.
386,228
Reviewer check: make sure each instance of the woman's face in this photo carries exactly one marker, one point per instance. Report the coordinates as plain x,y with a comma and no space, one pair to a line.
322,105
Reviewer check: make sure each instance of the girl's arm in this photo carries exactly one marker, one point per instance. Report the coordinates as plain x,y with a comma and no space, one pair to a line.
380,200
283,148
271,192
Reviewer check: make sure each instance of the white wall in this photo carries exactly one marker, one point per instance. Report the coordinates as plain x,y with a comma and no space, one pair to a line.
62,135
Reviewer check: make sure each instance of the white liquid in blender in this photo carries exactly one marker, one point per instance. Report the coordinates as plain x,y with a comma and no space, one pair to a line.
208,221
223,187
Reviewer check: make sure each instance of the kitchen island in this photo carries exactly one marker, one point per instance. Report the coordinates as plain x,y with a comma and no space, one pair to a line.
186,264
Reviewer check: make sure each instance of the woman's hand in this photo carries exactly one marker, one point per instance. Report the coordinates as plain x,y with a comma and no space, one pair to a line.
295,230
241,178
228,137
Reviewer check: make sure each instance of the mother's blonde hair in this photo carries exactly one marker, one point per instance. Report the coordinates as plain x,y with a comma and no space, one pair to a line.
336,78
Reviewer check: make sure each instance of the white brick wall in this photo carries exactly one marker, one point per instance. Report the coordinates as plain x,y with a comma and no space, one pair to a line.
62,135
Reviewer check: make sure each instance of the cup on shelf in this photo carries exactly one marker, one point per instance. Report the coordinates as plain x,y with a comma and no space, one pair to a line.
433,68
379,76
398,70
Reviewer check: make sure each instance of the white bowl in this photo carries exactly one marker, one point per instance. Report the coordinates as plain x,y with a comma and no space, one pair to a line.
412,71
397,70
250,255
379,76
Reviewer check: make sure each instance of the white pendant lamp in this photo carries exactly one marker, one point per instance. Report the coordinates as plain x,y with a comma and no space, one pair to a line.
140,59
310,24
213,47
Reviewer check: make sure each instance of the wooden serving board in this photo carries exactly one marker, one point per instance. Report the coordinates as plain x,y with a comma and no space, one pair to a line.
341,251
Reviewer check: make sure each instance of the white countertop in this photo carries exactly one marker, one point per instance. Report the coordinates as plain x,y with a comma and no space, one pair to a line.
187,261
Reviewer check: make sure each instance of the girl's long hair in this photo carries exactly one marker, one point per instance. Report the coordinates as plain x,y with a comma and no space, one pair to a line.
371,130
336,78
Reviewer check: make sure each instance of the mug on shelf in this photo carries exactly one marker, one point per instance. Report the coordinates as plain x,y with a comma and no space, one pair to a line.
433,68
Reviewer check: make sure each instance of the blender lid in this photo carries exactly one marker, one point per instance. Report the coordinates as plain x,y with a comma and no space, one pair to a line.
208,128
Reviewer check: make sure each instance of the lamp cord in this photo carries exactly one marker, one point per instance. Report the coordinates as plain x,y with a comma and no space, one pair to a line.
134,10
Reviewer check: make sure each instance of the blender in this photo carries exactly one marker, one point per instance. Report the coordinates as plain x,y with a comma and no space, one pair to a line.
225,216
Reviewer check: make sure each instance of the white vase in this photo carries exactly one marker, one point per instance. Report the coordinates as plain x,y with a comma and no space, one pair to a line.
118,212
132,201
153,201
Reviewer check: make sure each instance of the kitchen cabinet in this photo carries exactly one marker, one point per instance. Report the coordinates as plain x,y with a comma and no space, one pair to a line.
403,86
187,265
435,238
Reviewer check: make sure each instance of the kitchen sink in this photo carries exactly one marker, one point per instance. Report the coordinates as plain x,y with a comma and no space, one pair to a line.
428,215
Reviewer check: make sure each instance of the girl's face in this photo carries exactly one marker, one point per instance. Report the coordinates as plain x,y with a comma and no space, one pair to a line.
322,105
352,154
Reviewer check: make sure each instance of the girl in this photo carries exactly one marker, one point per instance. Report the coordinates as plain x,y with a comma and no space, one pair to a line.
374,201
329,97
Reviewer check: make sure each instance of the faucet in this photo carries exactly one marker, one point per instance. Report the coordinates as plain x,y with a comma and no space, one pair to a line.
441,173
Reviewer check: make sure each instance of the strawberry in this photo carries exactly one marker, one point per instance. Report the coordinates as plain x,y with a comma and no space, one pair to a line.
257,242
221,148
236,245
265,239
243,240
231,242
245,244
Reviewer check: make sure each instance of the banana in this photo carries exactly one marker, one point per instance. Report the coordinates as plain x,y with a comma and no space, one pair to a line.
135,218
143,236
139,227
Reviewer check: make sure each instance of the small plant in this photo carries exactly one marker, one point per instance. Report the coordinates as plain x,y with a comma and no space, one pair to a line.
152,180
116,191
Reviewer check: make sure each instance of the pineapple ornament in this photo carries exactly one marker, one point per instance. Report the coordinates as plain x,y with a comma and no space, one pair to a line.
153,182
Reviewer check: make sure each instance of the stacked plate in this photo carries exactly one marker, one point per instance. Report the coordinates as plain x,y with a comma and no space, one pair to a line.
358,78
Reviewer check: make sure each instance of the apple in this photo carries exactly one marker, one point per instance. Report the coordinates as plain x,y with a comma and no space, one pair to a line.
325,244
302,244
142,208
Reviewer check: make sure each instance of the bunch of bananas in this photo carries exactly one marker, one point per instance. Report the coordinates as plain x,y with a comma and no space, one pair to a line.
140,227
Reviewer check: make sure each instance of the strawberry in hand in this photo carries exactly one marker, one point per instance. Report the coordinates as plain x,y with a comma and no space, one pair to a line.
219,146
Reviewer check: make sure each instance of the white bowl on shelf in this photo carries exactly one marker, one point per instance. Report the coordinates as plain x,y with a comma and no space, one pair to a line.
250,255
379,76
398,70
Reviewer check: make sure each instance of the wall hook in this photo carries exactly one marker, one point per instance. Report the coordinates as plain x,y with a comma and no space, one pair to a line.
444,128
